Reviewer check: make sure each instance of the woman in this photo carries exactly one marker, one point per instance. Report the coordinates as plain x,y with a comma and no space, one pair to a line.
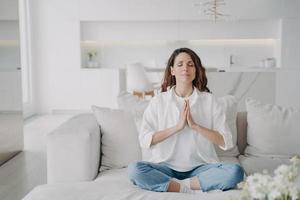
180,127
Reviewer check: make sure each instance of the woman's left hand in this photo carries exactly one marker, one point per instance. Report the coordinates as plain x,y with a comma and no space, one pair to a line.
189,117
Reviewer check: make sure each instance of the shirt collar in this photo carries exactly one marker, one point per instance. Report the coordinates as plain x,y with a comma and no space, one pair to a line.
192,99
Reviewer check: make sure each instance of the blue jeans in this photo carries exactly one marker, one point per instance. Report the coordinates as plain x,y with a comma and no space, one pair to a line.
156,177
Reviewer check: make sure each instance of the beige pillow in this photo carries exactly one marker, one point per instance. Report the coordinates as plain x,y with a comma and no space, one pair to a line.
119,141
272,130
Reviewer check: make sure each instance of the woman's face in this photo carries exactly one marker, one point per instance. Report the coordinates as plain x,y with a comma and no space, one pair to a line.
184,68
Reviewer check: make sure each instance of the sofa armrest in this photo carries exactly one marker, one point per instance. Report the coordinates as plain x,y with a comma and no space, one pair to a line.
73,150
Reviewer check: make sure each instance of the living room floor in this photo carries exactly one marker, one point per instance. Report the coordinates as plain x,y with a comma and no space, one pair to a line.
22,173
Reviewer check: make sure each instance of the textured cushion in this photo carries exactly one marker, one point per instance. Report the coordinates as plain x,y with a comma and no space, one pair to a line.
136,106
229,105
272,130
229,159
119,142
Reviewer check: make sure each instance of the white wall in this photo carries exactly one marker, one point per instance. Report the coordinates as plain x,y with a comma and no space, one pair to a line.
290,43
287,88
156,53
288,82
59,81
55,54
153,41
183,9
178,30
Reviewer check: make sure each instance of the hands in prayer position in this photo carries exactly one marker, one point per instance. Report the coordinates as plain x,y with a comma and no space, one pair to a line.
186,117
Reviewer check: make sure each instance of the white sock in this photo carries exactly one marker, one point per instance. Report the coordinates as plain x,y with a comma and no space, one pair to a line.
185,189
185,185
186,182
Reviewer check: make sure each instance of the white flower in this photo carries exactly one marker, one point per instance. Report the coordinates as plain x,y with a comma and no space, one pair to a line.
258,185
274,194
281,185
295,160
293,192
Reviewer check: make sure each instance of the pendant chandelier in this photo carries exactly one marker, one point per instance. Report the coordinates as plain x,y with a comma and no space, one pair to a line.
212,9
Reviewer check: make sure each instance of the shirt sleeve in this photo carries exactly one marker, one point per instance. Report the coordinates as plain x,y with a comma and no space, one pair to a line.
149,124
220,124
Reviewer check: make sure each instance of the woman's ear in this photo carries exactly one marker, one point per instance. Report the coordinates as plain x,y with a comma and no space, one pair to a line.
172,70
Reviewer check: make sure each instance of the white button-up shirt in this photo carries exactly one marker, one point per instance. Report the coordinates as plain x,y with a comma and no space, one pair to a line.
185,149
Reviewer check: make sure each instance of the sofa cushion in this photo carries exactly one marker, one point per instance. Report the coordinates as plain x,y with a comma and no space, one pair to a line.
119,142
136,106
229,104
272,130
73,150
254,164
229,159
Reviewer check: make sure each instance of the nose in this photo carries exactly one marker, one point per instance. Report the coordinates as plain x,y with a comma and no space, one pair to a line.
185,67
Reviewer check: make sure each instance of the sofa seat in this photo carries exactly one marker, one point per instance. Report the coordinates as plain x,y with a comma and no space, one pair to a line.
114,185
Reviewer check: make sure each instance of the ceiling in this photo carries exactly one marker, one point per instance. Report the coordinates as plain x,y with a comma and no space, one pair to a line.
143,10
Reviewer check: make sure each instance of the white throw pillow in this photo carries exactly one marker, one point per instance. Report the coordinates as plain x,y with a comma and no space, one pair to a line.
136,106
272,130
132,104
229,104
119,141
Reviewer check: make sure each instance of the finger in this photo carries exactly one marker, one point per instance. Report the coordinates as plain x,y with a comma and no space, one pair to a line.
185,105
185,113
188,114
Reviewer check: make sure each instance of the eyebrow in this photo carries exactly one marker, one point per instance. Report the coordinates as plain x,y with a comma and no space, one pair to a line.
188,61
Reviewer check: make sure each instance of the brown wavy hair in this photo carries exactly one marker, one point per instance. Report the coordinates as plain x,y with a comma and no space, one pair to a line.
200,81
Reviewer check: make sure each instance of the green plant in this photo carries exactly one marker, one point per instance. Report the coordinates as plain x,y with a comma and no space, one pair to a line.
91,54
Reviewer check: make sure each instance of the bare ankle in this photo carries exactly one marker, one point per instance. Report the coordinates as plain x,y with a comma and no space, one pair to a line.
195,184
173,186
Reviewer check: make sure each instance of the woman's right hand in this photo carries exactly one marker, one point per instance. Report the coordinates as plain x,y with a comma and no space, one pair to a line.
164,134
182,119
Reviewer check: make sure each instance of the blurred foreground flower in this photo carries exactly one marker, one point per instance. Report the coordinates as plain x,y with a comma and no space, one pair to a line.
281,186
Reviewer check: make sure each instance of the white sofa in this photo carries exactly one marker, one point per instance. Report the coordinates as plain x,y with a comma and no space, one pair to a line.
74,157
